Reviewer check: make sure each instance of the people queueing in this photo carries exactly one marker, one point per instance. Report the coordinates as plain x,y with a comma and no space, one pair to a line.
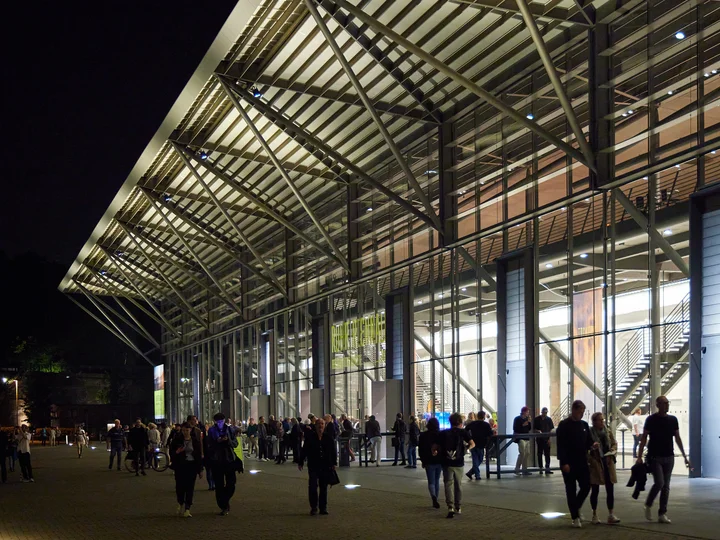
319,451
115,437
413,431
252,431
23,438
221,450
43,436
521,426
481,433
602,467
165,431
347,431
295,439
281,442
287,426
81,440
137,440
263,439
637,421
430,447
661,428
573,442
271,426
153,442
455,442
399,428
186,461
4,447
543,424
374,438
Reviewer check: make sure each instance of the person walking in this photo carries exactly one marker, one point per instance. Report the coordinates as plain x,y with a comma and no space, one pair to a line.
480,431
637,421
137,439
573,442
281,443
374,437
455,442
81,441
263,439
413,440
320,454
346,432
23,445
115,437
430,447
53,436
43,436
543,424
221,448
400,429
186,461
252,433
661,428
522,425
602,467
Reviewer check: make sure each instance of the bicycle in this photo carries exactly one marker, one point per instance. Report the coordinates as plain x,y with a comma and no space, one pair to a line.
156,460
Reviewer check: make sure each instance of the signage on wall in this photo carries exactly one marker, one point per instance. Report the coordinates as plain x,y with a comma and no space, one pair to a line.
159,391
351,335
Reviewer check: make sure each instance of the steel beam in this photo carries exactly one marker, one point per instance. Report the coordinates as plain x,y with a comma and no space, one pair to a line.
658,238
188,305
465,82
401,161
555,80
228,299
326,154
538,10
279,166
245,240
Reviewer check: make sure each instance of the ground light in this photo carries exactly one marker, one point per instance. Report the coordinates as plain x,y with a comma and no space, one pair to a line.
352,486
552,515
254,471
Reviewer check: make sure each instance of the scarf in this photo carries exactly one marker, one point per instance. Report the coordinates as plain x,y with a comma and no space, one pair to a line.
601,437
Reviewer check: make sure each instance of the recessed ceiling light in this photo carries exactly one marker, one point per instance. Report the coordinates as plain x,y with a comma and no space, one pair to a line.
548,265
440,295
667,232
624,114
714,71
464,289
707,74
677,166
583,255
529,116
419,301
563,208
645,177
669,92
680,35
369,209
630,111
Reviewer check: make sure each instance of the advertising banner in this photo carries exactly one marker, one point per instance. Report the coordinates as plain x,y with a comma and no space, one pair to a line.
159,391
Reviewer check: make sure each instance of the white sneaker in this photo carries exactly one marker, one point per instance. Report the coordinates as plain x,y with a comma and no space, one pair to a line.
576,523
648,513
582,518
179,509
32,480
187,514
595,519
613,519
662,518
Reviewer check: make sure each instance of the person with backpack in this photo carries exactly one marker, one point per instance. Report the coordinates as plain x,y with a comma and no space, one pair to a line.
455,442
221,450
398,441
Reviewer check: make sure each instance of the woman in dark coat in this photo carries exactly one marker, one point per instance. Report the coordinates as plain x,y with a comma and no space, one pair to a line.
186,460
430,455
320,452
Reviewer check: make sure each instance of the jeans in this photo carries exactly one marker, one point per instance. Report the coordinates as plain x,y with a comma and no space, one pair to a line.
399,449
116,449
523,451
375,451
433,478
476,453
579,475
25,465
543,449
185,475
317,480
609,490
661,468
224,479
209,476
412,455
452,477
636,442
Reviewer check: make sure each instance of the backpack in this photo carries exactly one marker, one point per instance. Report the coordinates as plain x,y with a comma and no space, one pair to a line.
455,446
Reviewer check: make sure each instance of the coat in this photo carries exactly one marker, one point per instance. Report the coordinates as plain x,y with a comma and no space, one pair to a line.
638,478
597,478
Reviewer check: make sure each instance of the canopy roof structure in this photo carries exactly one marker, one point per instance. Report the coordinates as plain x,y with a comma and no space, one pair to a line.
316,136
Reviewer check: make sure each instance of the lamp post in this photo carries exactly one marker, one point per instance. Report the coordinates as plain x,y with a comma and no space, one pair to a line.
17,407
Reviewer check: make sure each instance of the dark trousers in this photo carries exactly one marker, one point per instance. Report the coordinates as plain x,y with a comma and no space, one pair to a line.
140,461
609,489
263,448
282,454
224,478
296,452
25,465
579,476
209,476
317,480
116,449
185,475
543,449
399,449
661,468
3,469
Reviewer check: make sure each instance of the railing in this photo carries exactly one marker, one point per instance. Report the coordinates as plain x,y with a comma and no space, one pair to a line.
562,411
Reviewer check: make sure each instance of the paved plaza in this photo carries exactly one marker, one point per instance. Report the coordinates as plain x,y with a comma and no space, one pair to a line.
81,498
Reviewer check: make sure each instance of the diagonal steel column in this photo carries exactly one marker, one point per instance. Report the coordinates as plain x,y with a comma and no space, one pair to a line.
658,238
465,82
262,205
212,237
258,256
279,166
373,113
315,146
126,339
188,305
555,80
228,299
168,326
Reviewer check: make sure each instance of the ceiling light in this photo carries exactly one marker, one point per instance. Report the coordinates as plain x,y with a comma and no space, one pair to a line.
707,74
464,289
713,152
369,209
255,92
102,272
667,232
203,155
680,35
669,92
167,198
529,116
624,114
440,295
630,111
714,71
430,171
419,301
563,208
548,265
677,166
583,255
645,177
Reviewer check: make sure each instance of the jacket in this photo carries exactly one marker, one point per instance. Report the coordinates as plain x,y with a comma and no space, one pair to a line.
597,476
399,428
138,438
573,442
320,453
430,440
180,459
638,478
372,429
221,451
414,432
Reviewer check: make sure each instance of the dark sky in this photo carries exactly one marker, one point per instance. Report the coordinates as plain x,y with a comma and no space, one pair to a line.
85,86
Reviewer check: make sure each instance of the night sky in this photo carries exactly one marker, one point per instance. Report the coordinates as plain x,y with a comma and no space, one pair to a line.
85,86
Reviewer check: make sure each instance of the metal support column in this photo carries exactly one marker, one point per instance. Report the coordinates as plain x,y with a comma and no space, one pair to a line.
448,201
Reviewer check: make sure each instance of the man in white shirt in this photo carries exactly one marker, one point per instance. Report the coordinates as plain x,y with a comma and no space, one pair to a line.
637,420
23,440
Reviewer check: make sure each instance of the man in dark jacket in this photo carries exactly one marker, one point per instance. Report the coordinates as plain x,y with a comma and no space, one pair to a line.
522,425
115,437
263,439
543,424
480,431
373,436
221,454
399,439
138,442
573,442
320,453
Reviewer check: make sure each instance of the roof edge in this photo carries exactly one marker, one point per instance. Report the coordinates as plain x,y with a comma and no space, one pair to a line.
221,45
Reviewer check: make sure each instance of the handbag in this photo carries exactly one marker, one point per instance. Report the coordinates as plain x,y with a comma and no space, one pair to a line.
332,478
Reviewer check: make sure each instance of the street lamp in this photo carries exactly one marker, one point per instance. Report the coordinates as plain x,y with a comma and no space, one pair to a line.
17,407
